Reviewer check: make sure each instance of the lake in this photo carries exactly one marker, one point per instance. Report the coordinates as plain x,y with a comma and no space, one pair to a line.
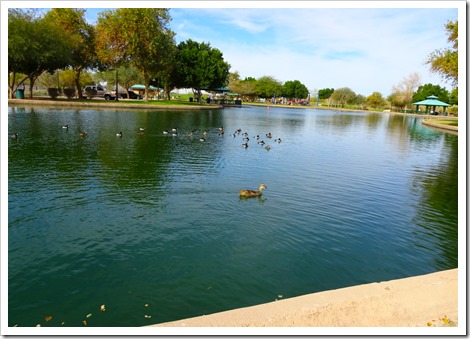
151,225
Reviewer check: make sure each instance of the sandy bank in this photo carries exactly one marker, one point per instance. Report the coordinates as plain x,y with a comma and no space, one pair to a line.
423,301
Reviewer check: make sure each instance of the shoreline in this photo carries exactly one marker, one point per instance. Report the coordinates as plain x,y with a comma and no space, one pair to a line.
107,104
130,105
429,300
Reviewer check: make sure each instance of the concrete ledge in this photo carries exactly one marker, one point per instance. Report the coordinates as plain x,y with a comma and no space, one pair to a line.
423,301
440,126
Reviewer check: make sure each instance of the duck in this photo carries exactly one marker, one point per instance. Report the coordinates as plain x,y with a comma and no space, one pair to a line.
267,148
142,129
119,134
246,139
261,142
278,140
202,139
66,126
252,193
14,136
256,137
245,145
83,133
165,132
268,135
174,130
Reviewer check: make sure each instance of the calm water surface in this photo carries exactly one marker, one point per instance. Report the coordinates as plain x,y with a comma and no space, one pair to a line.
152,227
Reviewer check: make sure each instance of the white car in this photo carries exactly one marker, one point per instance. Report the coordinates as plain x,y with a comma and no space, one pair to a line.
98,91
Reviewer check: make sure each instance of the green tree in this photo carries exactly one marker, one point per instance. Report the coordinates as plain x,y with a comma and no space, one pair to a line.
429,89
137,36
35,45
454,96
81,38
325,93
199,66
245,88
445,61
127,76
343,96
267,87
376,100
294,90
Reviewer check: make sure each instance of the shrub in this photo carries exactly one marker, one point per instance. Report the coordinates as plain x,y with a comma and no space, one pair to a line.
53,92
453,110
69,92
90,93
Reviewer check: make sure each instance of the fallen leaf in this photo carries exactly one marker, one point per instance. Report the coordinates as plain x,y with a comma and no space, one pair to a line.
48,318
84,322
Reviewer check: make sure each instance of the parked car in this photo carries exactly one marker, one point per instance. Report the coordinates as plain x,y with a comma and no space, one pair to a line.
93,91
132,95
111,95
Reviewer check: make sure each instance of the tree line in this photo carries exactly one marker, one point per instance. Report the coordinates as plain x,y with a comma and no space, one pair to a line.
137,41
138,44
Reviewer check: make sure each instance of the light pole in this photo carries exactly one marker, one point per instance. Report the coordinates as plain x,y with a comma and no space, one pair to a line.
117,93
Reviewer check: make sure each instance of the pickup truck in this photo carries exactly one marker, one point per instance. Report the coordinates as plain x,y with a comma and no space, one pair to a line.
93,91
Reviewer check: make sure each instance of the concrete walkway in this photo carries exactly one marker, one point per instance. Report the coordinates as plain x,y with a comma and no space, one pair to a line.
423,301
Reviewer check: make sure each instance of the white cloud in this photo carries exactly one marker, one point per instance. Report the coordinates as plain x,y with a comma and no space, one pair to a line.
365,49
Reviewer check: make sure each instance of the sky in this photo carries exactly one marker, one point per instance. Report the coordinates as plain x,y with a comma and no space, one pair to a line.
366,47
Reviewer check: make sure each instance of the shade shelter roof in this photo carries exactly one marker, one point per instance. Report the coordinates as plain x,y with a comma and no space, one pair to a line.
431,101
142,87
220,89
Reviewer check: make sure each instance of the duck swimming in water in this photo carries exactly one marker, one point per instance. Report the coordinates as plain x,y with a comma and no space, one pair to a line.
252,193
83,133
119,134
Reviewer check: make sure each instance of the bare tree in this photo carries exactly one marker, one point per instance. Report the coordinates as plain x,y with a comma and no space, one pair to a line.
402,93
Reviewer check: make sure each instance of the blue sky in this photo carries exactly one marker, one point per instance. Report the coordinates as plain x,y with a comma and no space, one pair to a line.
366,49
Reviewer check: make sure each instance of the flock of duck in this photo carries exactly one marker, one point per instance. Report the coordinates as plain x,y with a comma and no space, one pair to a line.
245,193
221,131
175,132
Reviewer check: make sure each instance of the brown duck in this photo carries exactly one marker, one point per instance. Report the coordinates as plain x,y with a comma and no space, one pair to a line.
252,193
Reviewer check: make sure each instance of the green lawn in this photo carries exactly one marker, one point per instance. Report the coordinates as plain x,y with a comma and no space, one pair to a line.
449,122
